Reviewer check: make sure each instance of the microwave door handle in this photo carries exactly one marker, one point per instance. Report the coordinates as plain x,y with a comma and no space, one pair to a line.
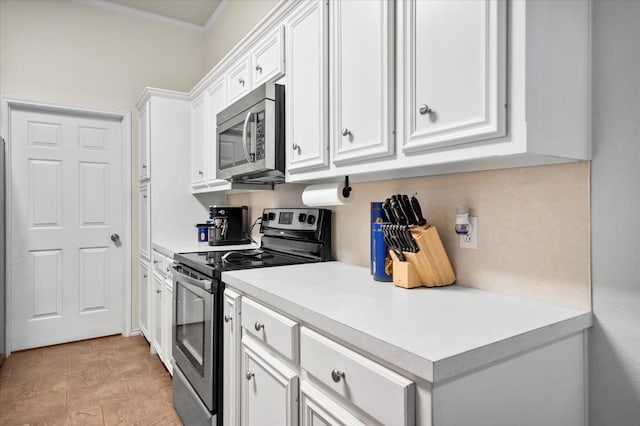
244,136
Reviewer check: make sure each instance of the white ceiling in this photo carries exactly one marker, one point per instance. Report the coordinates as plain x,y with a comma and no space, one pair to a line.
195,12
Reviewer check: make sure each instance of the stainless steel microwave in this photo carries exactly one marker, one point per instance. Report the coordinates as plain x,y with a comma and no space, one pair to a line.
250,137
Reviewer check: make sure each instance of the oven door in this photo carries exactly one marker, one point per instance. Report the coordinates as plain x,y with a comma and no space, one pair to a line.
194,324
246,142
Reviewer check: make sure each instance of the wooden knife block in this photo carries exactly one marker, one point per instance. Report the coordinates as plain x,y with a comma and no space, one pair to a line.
429,267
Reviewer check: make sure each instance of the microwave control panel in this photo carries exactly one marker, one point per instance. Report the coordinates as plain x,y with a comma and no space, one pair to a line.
260,151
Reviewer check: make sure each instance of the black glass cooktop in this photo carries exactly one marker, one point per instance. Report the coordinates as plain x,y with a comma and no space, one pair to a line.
215,262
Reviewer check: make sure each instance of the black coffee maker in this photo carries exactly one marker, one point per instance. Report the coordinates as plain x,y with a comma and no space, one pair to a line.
228,225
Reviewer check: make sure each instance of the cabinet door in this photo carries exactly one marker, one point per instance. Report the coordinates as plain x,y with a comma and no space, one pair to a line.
239,80
156,297
198,146
307,88
318,409
267,59
144,221
454,86
362,82
216,101
167,318
143,298
144,145
269,388
231,359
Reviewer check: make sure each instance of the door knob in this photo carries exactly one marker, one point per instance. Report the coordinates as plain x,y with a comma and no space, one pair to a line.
115,238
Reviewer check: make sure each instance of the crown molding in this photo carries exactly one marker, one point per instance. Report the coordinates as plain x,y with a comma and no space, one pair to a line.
102,4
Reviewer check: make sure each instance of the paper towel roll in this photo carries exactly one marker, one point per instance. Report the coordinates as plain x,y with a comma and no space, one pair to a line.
326,194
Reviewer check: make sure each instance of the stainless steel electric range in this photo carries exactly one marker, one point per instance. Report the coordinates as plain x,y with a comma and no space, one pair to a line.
289,236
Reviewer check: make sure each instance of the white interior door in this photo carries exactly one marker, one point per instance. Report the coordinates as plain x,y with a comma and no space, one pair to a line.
67,183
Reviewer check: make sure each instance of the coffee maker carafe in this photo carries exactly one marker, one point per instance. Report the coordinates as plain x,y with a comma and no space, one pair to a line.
228,225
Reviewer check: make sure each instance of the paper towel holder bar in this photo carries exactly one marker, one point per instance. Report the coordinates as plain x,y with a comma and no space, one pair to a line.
346,191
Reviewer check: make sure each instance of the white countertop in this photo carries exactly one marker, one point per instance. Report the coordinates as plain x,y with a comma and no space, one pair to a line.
435,333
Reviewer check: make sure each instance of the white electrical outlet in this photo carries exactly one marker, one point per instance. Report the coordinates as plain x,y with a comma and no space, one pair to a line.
470,240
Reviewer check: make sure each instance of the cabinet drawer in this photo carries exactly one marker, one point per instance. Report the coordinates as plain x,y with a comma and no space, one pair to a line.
238,80
383,394
271,328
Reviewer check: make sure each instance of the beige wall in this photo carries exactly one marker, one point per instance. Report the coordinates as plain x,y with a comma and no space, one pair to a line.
234,22
533,226
67,53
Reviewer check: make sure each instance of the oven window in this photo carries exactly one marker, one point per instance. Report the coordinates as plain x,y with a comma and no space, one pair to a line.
190,326
230,150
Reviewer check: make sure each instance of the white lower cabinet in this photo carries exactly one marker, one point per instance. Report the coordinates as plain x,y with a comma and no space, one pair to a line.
143,298
269,388
156,303
167,321
231,359
318,409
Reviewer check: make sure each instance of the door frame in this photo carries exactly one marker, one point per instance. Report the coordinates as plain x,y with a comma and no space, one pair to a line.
9,104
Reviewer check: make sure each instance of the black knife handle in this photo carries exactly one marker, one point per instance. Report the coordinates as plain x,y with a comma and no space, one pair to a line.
386,207
417,210
408,209
397,212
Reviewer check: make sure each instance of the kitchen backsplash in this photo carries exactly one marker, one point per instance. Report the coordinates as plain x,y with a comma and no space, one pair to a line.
533,226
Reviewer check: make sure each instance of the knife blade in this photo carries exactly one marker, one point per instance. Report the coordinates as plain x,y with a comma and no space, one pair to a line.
417,210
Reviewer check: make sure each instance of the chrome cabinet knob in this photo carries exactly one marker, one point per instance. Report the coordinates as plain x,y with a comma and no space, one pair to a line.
258,326
249,375
115,238
144,166
241,81
425,109
145,276
259,69
200,172
346,132
336,375
158,291
227,318
295,146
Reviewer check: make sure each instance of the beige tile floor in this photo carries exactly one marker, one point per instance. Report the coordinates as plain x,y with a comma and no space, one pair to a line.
108,381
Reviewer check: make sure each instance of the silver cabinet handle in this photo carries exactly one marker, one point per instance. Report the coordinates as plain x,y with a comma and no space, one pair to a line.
425,109
200,172
295,146
115,238
144,196
249,375
144,166
145,276
336,375
258,326
346,132
168,269
241,81
259,69
158,291
227,318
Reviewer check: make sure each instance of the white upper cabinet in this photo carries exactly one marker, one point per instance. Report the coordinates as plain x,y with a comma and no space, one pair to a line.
267,59
307,88
454,72
361,76
216,95
144,144
239,79
198,143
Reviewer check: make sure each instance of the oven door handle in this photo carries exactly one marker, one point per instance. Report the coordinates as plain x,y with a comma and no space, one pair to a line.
244,137
203,284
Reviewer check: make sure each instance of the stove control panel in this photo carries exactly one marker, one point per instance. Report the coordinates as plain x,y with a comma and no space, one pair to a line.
293,219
